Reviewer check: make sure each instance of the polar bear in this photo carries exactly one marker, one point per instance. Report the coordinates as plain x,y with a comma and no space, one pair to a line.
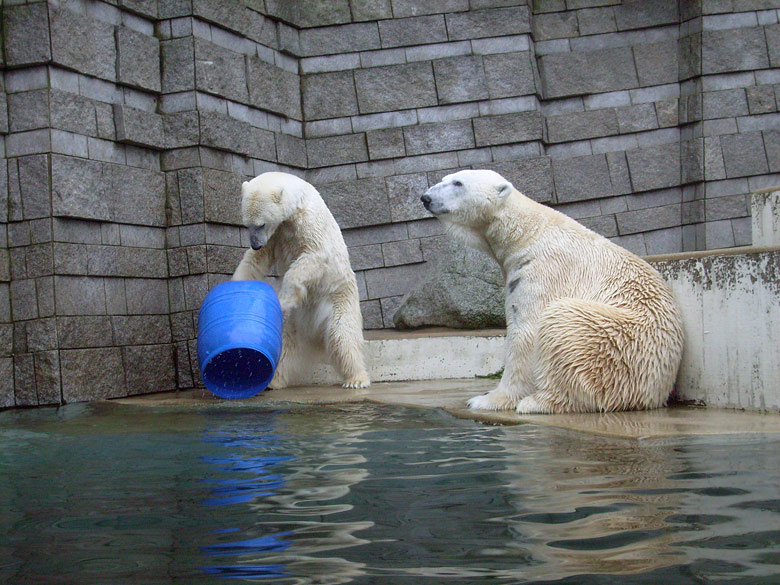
590,326
290,227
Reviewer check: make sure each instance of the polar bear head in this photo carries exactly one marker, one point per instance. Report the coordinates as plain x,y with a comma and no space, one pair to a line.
267,201
467,196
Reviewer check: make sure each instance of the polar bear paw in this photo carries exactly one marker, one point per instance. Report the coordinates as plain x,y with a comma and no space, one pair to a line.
485,402
357,382
529,405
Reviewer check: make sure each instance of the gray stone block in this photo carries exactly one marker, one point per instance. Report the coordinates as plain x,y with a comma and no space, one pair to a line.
365,257
72,113
92,374
509,74
395,87
138,127
656,167
493,22
568,74
726,207
272,88
337,150
582,125
724,104
714,169
79,295
141,329
181,129
594,21
348,38
618,174
329,95
178,64
222,196
773,44
83,44
138,62
772,146
555,25
33,175
6,382
223,259
581,178
744,155
220,71
393,280
28,110
633,14
460,79
372,206
149,368
426,138
667,113
24,380
387,143
656,63
508,128
32,142
225,133
637,118
421,30
23,299
403,193
689,56
761,99
47,377
147,296
741,49
84,331
531,176
371,10
650,218
143,195
26,34
291,150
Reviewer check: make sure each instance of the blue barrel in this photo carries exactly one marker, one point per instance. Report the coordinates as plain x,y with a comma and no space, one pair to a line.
239,338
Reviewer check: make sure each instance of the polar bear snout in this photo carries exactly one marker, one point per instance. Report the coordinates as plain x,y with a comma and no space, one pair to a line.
433,203
257,237
426,201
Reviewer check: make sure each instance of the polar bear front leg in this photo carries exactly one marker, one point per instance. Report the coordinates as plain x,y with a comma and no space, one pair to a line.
515,382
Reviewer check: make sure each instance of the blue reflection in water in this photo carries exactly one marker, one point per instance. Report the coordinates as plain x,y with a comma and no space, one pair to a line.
258,478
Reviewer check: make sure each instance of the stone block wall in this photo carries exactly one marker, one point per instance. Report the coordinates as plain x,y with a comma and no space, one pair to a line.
127,127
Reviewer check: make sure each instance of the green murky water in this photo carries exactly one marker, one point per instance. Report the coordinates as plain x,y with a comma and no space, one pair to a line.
364,494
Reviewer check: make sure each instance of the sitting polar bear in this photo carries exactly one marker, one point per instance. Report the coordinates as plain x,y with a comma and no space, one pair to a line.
590,326
291,227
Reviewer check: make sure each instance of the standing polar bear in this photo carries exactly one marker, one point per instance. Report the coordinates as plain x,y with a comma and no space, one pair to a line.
291,227
590,326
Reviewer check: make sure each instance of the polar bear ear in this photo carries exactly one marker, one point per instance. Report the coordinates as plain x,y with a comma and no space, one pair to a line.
277,195
503,189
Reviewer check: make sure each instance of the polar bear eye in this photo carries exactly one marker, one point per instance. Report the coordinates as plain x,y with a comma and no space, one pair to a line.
457,183
262,226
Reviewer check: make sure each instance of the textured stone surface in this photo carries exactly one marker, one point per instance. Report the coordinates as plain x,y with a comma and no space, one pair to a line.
531,176
508,128
656,63
509,74
273,88
581,178
357,203
337,150
92,374
582,125
465,291
138,61
733,50
425,138
26,34
138,127
744,155
655,167
220,71
83,44
421,30
566,74
404,192
329,95
395,87
488,23
460,79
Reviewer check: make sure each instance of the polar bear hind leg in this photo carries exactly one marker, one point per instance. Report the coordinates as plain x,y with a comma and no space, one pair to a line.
588,358
344,344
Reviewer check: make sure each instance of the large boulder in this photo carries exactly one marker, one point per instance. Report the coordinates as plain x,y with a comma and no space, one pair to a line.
464,290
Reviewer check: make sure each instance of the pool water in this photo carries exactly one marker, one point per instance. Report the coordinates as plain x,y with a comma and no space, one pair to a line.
366,494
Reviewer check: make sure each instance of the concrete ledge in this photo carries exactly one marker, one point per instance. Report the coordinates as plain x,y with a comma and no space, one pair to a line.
451,396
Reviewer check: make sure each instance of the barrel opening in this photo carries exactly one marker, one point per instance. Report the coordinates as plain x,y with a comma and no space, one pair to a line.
238,373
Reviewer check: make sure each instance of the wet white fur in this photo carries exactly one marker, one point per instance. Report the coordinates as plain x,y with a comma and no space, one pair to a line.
590,326
318,290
